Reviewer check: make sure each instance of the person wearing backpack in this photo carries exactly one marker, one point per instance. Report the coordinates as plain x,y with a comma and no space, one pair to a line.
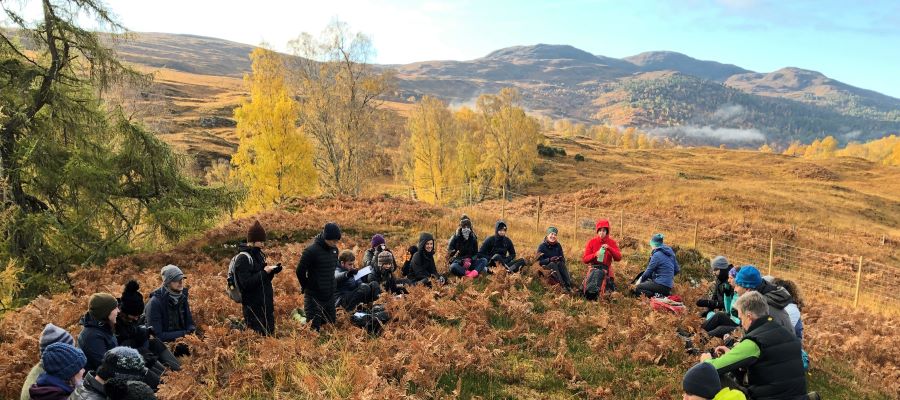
462,250
748,279
500,251
551,257
659,277
350,291
315,271
599,254
253,278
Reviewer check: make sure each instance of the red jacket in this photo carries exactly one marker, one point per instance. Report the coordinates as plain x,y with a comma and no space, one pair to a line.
593,247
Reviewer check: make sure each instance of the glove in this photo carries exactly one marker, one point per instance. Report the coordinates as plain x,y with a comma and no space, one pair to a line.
352,272
181,349
555,259
277,269
705,303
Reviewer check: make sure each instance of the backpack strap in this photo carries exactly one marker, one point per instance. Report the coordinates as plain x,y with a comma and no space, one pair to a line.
234,273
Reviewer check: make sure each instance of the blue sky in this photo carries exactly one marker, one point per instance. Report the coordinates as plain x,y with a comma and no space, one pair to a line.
857,42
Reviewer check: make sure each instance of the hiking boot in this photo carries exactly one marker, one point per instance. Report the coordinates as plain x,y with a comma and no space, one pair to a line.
813,396
683,334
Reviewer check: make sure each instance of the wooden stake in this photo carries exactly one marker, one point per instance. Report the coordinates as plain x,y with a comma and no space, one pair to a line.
858,280
537,221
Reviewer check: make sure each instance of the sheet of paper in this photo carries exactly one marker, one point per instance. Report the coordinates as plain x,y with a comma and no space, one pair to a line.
362,273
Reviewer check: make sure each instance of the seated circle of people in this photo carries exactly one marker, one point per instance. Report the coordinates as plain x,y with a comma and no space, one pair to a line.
599,254
499,250
253,278
769,354
719,317
551,258
131,330
748,279
168,310
315,272
63,366
462,251
350,290
422,266
658,278
119,362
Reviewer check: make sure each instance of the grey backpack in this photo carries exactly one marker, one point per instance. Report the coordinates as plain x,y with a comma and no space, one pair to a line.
232,288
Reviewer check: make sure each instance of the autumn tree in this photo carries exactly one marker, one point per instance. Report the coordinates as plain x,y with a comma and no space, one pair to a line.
273,160
765,148
338,91
433,140
510,137
469,149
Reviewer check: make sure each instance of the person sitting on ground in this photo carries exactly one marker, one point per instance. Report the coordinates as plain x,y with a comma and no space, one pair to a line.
602,250
769,353
97,335
719,289
168,310
749,279
406,271
131,331
51,334
701,382
384,274
551,257
463,251
350,291
120,388
794,307
370,257
315,271
659,277
720,323
422,264
500,251
253,278
122,362
63,371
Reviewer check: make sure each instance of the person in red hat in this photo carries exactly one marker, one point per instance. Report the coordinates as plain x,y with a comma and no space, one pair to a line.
601,251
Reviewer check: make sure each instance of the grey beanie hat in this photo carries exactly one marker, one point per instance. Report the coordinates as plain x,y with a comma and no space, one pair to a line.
171,273
720,262
54,334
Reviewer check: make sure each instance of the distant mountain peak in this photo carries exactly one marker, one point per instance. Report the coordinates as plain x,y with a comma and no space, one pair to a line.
674,61
542,51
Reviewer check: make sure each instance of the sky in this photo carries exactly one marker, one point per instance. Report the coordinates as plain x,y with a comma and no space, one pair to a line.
856,42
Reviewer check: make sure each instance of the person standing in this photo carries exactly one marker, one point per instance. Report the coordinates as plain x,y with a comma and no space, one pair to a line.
315,271
254,280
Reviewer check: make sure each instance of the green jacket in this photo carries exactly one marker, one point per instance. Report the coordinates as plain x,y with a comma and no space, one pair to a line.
730,394
30,380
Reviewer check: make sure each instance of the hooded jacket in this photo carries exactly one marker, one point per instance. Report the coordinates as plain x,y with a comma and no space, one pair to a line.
662,267
778,298
498,245
315,271
90,389
593,247
460,247
422,263
159,313
95,339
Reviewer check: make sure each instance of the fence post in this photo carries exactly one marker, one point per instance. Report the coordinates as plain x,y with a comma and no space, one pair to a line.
883,237
771,254
622,222
696,228
858,280
537,221
575,225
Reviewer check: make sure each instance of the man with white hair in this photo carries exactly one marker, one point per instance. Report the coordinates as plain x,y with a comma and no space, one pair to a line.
769,353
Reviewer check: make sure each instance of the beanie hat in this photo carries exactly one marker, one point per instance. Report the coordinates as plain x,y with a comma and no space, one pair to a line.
385,257
501,226
101,305
120,388
656,240
720,262
377,240
122,361
552,229
412,250
256,233
733,272
171,273
331,232
702,380
748,277
132,301
63,360
54,334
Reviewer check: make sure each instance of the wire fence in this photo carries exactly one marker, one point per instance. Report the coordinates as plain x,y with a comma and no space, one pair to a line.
844,279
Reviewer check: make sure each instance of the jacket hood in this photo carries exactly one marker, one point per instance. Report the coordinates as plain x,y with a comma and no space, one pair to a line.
779,297
499,225
424,238
88,321
602,223
665,250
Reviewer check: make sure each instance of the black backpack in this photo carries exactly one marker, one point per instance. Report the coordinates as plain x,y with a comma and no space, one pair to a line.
597,282
372,320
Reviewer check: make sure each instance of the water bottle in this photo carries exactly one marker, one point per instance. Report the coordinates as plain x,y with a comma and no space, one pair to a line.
602,255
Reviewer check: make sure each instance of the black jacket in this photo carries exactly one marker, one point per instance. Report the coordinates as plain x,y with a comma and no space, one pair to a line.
253,281
549,250
95,339
422,263
159,313
778,373
460,247
497,245
315,271
132,334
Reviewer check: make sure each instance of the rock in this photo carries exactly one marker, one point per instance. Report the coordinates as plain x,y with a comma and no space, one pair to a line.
217,122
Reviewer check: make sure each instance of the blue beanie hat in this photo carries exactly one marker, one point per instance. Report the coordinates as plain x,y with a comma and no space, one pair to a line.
702,380
63,360
748,277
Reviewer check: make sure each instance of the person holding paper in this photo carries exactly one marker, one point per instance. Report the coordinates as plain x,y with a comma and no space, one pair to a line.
351,291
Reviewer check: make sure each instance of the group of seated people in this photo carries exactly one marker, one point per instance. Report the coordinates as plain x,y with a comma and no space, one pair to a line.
126,346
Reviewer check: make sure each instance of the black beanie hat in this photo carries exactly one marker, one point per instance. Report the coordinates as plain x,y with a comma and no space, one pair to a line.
132,301
331,232
256,233
702,380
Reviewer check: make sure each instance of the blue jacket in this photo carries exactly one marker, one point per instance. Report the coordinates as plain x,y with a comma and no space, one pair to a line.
95,339
662,267
157,314
549,251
